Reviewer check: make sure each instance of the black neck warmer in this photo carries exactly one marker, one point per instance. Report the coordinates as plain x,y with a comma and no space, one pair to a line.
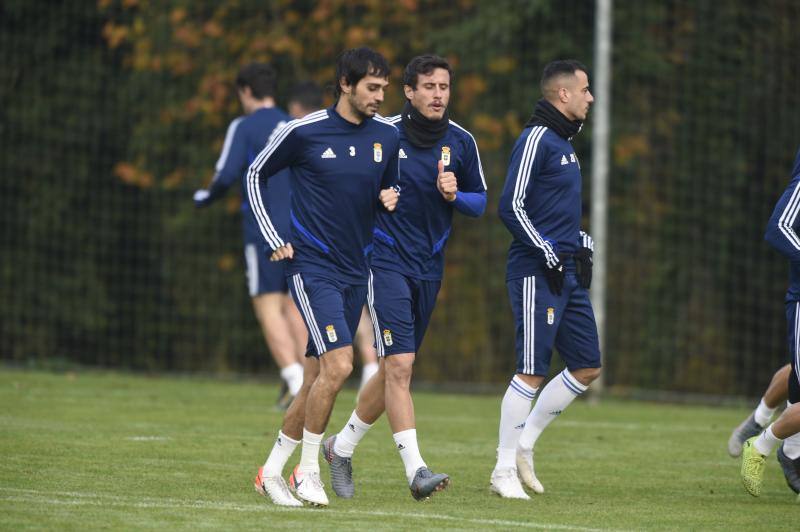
546,115
421,132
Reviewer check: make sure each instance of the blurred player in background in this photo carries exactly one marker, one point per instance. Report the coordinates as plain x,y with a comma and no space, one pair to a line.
548,274
343,163
782,235
440,173
281,323
306,97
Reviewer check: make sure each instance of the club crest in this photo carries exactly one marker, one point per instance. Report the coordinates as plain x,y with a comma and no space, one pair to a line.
387,337
551,315
446,155
377,152
331,333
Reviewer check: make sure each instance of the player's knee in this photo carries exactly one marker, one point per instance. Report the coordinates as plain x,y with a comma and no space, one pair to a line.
586,375
399,368
337,368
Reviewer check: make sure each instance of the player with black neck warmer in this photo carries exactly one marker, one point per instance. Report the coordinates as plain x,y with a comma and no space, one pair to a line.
440,171
549,272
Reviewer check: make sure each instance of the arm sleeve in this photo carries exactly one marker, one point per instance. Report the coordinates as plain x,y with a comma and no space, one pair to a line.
278,154
471,196
231,164
471,204
527,160
782,226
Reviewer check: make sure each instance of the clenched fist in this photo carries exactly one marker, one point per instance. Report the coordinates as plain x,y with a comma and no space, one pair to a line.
447,183
389,197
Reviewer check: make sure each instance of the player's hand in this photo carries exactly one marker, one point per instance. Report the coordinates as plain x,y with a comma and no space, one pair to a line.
583,261
285,252
389,197
447,183
555,278
201,197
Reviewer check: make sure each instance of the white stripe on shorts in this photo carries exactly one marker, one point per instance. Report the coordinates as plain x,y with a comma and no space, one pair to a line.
308,314
528,309
251,259
374,318
797,341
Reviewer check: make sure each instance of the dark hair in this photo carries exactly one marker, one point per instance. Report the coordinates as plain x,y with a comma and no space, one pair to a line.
355,64
260,77
308,94
424,64
561,67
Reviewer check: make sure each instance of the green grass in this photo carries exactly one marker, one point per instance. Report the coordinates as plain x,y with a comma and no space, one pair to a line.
107,450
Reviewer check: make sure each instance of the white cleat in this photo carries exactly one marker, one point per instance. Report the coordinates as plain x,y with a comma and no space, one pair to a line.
308,486
275,488
506,484
525,471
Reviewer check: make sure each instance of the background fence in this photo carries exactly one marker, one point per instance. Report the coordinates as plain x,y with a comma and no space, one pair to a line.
114,112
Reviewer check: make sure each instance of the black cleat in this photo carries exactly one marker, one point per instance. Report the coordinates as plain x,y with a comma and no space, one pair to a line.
791,469
426,483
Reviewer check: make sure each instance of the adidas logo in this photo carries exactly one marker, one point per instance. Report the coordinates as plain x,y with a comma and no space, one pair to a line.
280,442
402,154
520,426
400,446
555,412
563,159
352,427
328,154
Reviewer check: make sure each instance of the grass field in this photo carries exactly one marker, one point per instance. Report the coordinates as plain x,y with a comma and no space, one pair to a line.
107,450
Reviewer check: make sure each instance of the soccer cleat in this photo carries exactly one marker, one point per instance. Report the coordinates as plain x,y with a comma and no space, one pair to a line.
284,397
341,470
746,430
426,483
275,488
752,467
505,483
791,469
526,473
308,487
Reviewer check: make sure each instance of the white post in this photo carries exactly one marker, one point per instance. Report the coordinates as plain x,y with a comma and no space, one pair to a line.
601,131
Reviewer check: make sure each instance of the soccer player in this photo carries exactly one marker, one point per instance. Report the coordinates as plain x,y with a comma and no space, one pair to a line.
782,235
305,98
777,392
548,274
440,173
281,323
343,163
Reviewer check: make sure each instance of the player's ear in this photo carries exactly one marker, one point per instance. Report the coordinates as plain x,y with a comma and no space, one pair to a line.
346,88
408,90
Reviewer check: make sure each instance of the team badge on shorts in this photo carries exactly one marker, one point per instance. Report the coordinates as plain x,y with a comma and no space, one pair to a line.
377,152
551,315
387,337
331,333
445,155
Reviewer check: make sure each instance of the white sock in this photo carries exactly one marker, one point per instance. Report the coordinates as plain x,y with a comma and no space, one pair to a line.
513,410
554,399
279,455
791,446
293,375
763,413
406,442
350,435
766,442
367,372
309,459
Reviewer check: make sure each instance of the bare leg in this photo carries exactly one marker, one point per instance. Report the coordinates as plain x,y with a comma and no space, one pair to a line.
399,405
334,368
778,389
371,403
275,327
295,416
